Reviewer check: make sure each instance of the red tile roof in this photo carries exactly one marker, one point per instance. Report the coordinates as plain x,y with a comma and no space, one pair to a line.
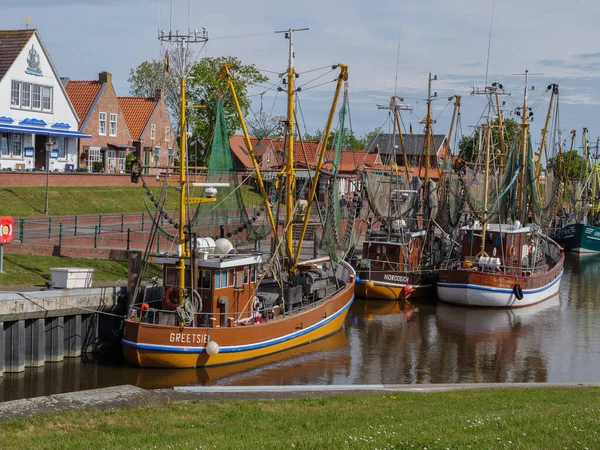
82,95
11,45
137,112
238,147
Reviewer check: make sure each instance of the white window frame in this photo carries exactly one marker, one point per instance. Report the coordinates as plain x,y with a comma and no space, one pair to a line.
122,158
15,94
5,151
26,89
156,156
93,156
112,160
152,131
102,123
50,98
12,146
113,121
36,97
63,147
167,133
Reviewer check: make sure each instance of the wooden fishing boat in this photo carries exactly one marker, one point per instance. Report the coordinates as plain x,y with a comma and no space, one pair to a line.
505,264
221,306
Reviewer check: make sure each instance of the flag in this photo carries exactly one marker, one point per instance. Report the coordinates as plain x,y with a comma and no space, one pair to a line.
167,69
28,19
411,132
536,155
394,166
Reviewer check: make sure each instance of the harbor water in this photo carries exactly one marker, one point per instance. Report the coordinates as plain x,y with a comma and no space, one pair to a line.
391,343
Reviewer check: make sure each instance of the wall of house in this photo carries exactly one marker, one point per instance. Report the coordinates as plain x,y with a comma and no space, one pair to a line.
61,112
160,118
107,103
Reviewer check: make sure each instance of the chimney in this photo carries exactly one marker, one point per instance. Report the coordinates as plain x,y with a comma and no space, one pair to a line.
105,77
158,94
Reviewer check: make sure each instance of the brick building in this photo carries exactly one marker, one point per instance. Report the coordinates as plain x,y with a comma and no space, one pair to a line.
101,117
151,130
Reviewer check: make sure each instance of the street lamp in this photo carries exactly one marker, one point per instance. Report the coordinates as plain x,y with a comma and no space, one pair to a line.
49,144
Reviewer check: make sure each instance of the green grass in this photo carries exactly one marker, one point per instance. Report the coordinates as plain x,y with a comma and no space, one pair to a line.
30,201
33,270
489,419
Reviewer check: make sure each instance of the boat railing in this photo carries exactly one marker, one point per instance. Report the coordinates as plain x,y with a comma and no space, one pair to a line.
157,316
502,269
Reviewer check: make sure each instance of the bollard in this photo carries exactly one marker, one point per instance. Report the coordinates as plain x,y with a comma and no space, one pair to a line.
60,234
75,229
99,223
21,230
49,227
142,221
96,236
157,242
122,221
128,238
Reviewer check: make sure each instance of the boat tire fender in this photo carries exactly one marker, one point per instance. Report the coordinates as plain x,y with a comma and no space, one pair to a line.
518,291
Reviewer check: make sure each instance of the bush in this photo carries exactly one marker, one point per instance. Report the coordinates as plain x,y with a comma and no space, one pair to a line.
97,166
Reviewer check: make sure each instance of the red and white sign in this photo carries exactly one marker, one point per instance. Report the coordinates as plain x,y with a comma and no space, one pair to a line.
7,229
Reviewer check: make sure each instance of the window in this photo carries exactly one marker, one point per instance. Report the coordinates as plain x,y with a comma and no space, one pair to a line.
15,94
4,138
170,155
167,133
102,124
112,160
121,161
26,95
224,278
36,100
46,98
156,156
205,278
245,274
218,279
231,276
62,144
253,273
30,96
93,156
152,131
17,145
113,125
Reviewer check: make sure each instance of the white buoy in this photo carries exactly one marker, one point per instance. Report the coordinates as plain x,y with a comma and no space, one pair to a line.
212,348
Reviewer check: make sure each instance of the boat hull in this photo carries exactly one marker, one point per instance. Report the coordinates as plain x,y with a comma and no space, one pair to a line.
392,285
474,288
580,238
153,345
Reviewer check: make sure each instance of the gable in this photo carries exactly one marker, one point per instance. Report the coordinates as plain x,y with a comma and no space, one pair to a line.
12,43
32,67
82,95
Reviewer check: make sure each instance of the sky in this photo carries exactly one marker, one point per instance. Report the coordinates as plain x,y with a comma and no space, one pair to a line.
389,46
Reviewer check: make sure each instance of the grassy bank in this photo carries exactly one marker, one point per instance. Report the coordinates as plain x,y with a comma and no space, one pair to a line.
33,270
30,201
508,418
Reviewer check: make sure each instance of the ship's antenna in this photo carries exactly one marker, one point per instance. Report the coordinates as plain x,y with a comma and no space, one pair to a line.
487,65
397,64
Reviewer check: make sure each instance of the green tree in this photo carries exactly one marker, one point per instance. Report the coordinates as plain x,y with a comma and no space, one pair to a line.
206,85
349,139
574,165
469,145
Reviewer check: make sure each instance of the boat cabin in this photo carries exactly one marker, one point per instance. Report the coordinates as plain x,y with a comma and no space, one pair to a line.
393,252
508,248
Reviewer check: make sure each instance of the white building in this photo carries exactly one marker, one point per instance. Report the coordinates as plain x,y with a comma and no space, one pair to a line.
36,114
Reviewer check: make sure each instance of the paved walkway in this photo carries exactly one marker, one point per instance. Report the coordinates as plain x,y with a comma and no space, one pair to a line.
131,396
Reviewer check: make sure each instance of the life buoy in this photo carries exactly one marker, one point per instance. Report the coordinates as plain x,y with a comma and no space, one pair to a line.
518,291
172,298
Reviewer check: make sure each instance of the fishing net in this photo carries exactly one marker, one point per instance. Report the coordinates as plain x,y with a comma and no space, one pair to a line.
338,235
229,212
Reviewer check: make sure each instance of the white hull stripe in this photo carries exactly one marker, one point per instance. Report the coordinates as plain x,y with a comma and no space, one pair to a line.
240,348
384,283
502,290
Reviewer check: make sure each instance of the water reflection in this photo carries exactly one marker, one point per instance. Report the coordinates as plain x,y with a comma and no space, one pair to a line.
395,343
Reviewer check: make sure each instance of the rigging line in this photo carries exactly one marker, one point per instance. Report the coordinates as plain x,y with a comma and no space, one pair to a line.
443,109
274,89
320,68
487,65
238,36
274,101
319,85
315,79
269,71
301,114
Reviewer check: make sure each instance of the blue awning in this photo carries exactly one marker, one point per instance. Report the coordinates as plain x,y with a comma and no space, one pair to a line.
43,131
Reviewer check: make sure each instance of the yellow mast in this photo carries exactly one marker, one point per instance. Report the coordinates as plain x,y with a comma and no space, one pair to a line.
524,162
488,139
449,137
341,78
501,129
225,74
288,170
184,253
538,166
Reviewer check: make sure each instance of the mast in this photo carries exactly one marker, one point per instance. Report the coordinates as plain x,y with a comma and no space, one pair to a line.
524,135
538,166
426,144
396,108
586,152
182,42
343,76
488,139
288,170
455,112
501,130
